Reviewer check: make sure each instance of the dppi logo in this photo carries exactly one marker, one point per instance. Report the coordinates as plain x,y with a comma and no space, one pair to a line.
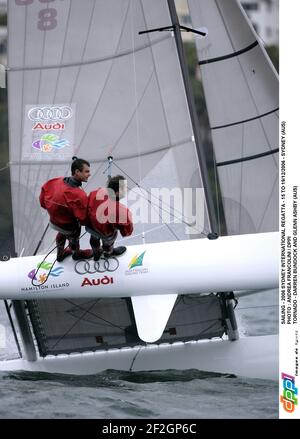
288,399
137,261
42,277
48,142
50,113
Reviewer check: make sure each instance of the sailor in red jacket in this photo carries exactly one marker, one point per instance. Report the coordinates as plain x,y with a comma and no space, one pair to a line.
66,204
106,215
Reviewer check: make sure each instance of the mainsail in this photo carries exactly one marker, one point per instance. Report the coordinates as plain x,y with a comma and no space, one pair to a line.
83,68
241,92
82,81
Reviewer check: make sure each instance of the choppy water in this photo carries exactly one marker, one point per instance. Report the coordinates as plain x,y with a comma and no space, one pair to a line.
161,394
115,394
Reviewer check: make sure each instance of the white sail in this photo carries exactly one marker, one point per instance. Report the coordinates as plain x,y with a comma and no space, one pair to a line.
116,92
241,92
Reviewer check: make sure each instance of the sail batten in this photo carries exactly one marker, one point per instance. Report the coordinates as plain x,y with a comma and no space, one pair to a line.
245,120
252,157
230,55
87,62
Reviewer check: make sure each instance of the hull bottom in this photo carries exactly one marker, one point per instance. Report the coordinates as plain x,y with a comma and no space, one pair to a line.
253,357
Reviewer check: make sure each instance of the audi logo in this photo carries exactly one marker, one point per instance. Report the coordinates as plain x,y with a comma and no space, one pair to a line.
101,266
50,113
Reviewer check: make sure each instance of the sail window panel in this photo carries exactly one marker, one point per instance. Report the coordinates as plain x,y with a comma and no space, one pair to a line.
250,196
246,139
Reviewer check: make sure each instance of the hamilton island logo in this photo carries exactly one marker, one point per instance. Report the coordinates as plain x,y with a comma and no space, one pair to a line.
40,275
43,271
135,262
50,142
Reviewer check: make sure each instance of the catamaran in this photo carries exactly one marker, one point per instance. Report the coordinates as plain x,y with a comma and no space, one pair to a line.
105,80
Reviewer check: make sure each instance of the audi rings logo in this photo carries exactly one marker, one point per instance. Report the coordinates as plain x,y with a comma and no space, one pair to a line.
50,113
101,266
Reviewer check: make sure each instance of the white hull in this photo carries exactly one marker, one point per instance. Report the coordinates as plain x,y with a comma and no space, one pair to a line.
253,357
241,262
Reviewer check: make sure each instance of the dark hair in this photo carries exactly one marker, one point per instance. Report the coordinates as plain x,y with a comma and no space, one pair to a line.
78,164
113,182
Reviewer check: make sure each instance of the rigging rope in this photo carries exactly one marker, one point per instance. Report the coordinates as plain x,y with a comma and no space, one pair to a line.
43,263
205,232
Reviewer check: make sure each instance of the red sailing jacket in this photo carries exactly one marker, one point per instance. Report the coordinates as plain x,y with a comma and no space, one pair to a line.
106,215
65,204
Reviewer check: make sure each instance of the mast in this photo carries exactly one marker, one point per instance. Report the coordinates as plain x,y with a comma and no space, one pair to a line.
212,215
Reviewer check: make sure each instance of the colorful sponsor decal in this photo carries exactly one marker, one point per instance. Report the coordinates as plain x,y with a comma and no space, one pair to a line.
137,261
49,126
41,276
288,398
100,281
48,142
48,132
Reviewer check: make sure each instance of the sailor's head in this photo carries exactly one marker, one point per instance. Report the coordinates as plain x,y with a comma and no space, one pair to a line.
118,184
80,169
